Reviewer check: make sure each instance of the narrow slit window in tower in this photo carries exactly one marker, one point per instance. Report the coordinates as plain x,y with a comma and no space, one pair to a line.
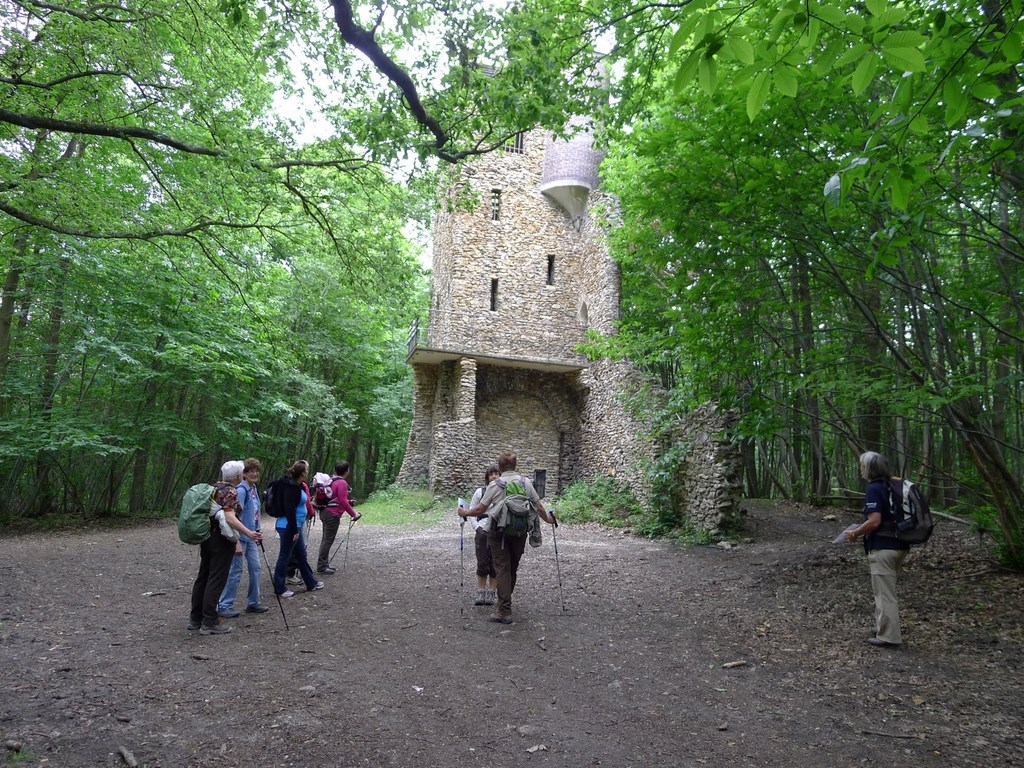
517,144
494,295
551,269
495,204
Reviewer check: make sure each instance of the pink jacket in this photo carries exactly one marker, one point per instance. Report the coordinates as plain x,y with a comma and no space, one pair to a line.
339,498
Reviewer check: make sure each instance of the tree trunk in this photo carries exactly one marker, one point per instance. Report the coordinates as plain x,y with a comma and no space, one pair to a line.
51,356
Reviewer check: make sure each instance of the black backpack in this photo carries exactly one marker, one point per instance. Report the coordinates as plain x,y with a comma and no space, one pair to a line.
272,498
912,519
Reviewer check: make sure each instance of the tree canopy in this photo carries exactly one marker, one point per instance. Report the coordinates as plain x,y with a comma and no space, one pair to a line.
184,281
820,202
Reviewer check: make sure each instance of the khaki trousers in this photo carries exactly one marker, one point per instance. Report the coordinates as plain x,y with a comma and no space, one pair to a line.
885,565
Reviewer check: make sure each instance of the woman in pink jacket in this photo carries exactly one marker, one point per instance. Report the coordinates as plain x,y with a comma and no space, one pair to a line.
330,518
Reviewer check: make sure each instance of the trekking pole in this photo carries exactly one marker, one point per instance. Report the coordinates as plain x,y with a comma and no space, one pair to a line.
462,566
351,522
344,560
279,603
558,567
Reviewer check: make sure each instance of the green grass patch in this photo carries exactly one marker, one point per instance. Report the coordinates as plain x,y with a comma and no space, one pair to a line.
401,506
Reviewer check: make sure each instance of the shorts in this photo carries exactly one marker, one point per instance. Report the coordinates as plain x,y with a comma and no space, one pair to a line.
484,564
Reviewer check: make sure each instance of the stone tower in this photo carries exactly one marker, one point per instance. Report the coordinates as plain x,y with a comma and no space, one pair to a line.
518,282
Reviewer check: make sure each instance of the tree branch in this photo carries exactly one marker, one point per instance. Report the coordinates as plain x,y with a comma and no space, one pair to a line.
363,41
20,82
35,221
127,133
96,129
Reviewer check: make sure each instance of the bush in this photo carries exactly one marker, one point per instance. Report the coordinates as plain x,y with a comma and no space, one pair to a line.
601,500
986,521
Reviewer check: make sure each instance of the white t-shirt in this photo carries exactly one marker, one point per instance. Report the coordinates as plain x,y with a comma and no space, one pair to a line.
480,523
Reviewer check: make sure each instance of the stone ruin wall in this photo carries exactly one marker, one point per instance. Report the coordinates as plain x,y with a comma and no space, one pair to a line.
710,481
416,462
534,414
615,442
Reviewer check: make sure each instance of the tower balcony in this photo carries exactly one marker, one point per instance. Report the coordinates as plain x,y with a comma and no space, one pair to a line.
515,343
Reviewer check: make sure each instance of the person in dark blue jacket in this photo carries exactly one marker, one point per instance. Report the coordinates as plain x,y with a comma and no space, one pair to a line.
289,528
885,552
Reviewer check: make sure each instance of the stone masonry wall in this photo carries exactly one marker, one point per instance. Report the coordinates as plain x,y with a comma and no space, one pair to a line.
531,318
416,464
532,413
614,442
710,480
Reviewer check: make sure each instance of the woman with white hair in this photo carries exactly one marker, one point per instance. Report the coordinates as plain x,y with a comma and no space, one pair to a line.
886,553
217,551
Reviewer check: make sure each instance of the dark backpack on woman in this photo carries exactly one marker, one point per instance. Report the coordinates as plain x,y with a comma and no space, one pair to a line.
273,498
912,519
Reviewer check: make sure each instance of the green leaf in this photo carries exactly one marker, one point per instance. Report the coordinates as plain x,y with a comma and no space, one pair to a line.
986,90
920,125
1011,48
834,191
865,73
707,75
830,14
740,49
683,34
854,54
905,38
907,59
955,101
900,188
785,81
687,70
757,95
876,7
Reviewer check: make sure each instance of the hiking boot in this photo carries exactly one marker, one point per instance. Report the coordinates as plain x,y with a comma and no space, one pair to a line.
500,618
258,608
216,629
231,613
193,625
481,597
328,571
318,585
287,593
491,598
296,580
882,643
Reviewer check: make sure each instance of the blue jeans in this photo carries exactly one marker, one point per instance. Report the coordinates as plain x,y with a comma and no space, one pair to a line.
288,546
252,558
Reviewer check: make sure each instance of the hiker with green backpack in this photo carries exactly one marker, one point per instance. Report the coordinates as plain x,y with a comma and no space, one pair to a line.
513,506
217,550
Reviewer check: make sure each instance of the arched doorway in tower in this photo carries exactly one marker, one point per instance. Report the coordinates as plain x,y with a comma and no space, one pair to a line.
520,422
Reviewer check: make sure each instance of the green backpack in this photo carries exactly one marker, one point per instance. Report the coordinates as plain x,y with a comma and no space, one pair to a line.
194,518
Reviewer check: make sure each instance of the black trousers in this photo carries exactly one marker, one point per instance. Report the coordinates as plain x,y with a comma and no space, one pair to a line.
215,555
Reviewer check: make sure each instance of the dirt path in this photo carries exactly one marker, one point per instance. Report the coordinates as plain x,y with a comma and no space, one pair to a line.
391,665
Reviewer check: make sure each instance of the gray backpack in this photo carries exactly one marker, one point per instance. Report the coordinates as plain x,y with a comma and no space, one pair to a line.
516,514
